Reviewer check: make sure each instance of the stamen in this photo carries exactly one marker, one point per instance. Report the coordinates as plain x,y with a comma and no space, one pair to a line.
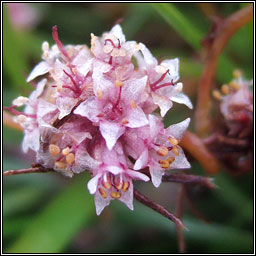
164,164
175,151
170,159
126,186
234,85
133,104
106,184
65,151
225,89
55,37
54,149
173,141
216,94
237,73
163,151
159,80
60,165
103,192
16,112
125,121
70,158
115,195
118,183
78,90
100,115
109,40
163,85
118,83
100,94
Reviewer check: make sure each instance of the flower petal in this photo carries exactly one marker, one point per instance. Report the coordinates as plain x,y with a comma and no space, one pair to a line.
163,103
177,130
142,161
88,108
182,99
127,197
111,132
93,183
156,173
136,118
40,69
118,32
173,67
181,161
137,175
100,202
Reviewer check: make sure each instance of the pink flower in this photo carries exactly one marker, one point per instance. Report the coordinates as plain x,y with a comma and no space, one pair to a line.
94,111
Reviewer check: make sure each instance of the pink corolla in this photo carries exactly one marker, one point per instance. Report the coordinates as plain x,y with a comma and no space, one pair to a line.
93,110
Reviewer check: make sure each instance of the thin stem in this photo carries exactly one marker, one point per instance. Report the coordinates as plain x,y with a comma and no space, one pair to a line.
224,32
26,171
179,210
158,208
189,179
195,146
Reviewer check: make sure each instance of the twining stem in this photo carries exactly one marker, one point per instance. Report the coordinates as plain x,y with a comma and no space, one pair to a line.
188,179
195,146
179,210
224,32
27,171
158,208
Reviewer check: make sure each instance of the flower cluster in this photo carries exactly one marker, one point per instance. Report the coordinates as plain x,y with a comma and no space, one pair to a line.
236,105
93,110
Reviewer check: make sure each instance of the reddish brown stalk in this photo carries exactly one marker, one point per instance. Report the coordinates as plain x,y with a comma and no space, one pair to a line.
26,171
195,146
189,179
158,208
223,33
179,210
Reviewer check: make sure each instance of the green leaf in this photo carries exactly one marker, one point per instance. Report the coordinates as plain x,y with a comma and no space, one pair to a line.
53,229
14,59
180,23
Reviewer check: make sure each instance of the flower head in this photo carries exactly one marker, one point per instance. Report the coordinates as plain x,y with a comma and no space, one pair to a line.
94,110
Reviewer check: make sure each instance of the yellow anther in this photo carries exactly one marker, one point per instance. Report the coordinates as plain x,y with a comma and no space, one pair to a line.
100,94
162,151
54,149
173,141
216,94
115,52
115,195
60,165
175,151
237,73
118,183
122,52
74,70
125,121
164,164
103,192
133,104
225,89
234,85
65,151
59,88
46,54
118,83
70,158
21,118
171,159
126,186
106,184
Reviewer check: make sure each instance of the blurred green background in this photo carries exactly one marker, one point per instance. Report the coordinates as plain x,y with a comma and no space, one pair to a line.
49,213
